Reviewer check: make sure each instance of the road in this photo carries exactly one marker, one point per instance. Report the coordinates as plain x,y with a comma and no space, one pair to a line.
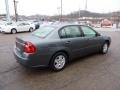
96,72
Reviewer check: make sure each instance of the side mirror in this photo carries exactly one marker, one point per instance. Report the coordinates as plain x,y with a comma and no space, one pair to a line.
62,36
98,34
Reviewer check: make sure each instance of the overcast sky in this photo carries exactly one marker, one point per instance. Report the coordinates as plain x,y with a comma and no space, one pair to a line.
49,7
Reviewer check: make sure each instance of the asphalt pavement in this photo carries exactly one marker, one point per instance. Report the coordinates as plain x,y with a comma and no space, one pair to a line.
96,72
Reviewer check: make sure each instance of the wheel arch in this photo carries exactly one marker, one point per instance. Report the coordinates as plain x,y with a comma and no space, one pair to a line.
63,51
108,42
13,29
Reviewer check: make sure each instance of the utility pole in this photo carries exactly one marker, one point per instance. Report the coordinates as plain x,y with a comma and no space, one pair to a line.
59,16
86,2
117,19
79,16
61,9
79,12
15,9
7,11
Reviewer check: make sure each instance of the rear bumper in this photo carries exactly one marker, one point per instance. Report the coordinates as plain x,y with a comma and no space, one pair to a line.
32,61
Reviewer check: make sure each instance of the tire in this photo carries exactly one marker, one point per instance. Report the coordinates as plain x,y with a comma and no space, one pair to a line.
31,29
104,48
13,31
37,26
58,61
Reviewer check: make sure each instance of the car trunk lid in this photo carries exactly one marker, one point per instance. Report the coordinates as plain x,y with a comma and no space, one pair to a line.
21,40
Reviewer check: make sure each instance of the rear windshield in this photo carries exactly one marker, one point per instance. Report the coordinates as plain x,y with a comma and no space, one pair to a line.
43,31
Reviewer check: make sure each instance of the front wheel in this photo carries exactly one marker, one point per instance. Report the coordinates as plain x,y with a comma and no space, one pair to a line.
58,61
105,47
31,29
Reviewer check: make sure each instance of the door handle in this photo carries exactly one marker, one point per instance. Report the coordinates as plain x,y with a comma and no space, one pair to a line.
90,39
68,42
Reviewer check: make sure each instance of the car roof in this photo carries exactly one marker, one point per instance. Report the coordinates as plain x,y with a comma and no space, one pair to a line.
61,25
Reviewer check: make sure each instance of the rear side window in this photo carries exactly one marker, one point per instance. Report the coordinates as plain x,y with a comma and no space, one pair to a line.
88,32
43,31
70,32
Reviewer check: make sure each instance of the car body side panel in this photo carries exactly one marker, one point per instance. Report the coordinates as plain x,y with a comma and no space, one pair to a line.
33,60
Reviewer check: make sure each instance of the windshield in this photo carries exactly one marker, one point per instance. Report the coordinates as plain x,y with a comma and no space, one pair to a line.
43,31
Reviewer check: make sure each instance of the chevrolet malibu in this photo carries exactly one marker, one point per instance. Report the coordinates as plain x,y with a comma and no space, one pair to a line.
55,45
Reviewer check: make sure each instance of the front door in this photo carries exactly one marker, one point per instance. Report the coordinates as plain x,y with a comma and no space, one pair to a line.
94,40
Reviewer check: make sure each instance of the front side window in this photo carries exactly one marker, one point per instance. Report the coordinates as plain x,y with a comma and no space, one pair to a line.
20,24
26,23
88,32
70,32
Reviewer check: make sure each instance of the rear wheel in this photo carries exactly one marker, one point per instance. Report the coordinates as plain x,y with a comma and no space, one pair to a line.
13,31
59,61
105,47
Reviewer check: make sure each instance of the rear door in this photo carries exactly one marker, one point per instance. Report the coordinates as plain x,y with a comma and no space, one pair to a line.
72,39
94,40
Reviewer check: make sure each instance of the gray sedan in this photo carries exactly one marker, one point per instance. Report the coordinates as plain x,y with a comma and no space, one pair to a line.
55,45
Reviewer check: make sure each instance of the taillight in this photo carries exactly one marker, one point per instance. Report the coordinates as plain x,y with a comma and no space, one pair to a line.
29,47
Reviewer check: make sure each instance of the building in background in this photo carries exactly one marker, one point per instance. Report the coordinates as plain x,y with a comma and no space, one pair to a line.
106,22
